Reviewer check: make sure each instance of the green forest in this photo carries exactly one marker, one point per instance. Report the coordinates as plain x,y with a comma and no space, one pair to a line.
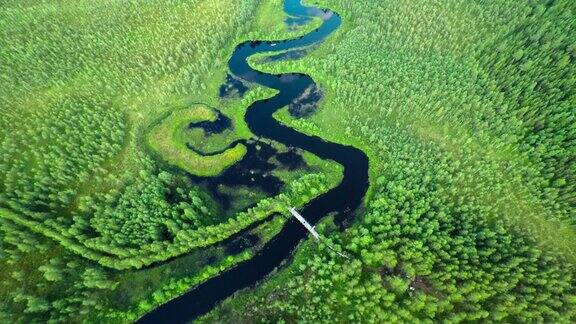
114,201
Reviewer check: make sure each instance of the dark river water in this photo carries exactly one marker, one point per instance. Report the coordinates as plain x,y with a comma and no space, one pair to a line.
342,200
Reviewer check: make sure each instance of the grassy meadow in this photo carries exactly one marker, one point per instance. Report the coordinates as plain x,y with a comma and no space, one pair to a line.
166,140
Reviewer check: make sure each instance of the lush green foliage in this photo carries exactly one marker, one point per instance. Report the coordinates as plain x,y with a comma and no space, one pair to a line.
414,68
72,138
467,111
416,255
533,66
81,85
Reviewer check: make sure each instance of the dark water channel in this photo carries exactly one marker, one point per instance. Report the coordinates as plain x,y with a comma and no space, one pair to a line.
343,199
253,171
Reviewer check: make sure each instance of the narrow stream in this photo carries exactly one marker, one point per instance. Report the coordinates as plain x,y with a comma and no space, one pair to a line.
343,199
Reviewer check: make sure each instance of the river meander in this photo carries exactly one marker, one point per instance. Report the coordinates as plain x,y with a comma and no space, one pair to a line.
342,200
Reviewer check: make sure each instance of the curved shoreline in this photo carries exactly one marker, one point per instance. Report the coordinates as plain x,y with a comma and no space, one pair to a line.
343,199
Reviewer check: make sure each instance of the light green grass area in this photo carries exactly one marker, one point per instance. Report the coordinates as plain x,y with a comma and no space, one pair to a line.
208,144
167,141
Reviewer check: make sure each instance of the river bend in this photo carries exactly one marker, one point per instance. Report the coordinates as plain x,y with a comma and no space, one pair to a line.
343,199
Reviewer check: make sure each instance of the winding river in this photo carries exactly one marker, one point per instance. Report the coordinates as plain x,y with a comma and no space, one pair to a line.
343,199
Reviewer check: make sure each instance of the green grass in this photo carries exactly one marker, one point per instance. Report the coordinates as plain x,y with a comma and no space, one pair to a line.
166,139
209,143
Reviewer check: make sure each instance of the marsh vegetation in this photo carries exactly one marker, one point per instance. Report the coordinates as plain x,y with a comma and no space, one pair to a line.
116,195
